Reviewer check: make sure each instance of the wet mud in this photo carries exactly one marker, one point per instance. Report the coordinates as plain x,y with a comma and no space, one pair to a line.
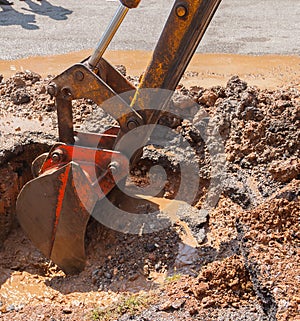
267,71
237,260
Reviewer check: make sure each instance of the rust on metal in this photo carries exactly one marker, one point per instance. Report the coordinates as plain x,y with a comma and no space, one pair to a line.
176,45
68,250
92,87
65,194
178,41
130,3
113,78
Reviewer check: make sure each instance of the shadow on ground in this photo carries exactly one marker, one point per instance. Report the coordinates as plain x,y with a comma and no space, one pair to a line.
10,16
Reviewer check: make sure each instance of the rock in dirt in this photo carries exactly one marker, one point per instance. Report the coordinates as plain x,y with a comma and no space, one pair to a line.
285,171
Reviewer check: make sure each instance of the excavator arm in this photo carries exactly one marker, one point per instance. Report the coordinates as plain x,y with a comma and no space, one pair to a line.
49,208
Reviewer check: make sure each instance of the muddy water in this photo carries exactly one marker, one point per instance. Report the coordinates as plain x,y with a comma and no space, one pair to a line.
205,69
20,288
23,288
170,208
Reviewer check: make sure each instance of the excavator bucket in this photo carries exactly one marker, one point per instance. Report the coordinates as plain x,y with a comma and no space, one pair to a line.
52,214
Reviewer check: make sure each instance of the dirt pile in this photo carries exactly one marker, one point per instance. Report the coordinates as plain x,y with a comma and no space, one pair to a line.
246,266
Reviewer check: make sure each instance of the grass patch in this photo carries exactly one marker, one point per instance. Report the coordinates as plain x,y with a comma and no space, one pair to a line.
131,304
173,278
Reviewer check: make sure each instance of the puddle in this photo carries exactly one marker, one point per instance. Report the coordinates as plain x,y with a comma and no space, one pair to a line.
171,208
23,288
269,71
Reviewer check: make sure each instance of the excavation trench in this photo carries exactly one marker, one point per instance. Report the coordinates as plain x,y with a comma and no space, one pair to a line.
15,171
238,259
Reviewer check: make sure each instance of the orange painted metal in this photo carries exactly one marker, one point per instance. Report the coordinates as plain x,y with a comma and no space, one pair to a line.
72,179
63,178
95,162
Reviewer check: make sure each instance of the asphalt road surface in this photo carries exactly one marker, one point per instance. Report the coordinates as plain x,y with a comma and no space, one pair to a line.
47,27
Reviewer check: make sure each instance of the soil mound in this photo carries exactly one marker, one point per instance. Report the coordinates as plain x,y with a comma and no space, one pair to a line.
246,261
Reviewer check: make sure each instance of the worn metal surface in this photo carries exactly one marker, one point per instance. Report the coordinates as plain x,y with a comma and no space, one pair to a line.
185,27
181,35
54,208
53,217
80,82
95,162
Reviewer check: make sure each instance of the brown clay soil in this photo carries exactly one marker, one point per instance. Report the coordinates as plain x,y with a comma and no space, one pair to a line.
238,261
267,71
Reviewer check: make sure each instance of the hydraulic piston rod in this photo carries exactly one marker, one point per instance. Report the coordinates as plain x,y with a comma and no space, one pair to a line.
108,35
